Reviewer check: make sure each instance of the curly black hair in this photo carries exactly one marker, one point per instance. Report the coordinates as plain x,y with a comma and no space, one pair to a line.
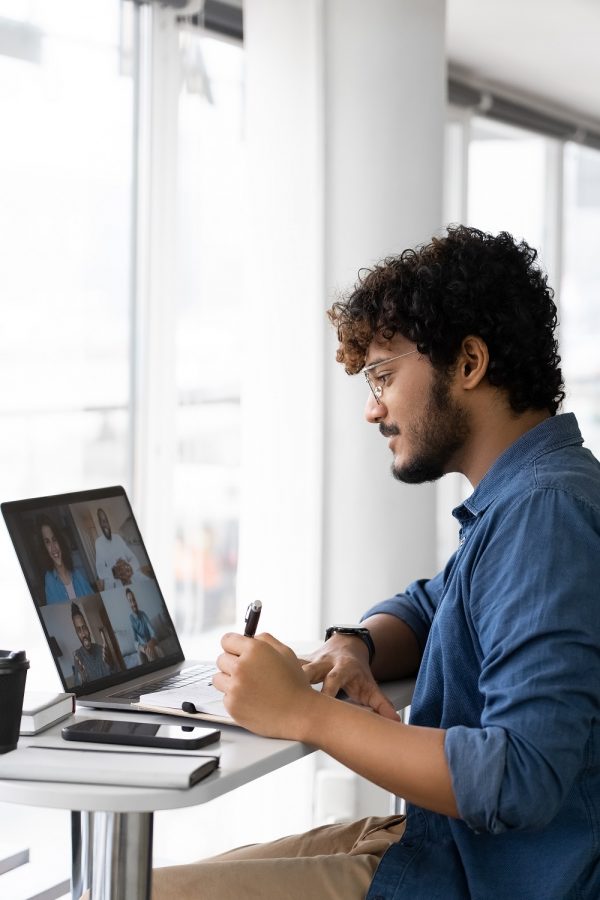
467,282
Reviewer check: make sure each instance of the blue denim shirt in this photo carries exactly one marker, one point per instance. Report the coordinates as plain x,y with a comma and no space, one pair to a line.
510,632
142,628
56,592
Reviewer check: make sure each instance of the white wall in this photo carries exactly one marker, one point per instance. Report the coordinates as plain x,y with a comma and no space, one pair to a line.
385,118
345,114
280,540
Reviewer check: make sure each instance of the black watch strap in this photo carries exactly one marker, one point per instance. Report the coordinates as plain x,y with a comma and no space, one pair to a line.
357,631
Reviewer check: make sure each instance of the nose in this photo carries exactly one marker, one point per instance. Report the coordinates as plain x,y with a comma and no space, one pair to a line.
374,411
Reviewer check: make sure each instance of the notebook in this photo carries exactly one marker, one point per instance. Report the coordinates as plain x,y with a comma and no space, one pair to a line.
100,605
111,767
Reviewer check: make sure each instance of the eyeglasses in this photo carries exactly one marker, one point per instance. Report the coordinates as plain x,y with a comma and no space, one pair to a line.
377,389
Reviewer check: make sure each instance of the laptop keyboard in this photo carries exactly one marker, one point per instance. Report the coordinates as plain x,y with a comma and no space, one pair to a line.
200,674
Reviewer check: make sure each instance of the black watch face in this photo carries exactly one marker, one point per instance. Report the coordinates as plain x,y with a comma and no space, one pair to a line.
346,629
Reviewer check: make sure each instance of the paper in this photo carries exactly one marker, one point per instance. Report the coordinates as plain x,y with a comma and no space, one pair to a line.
35,701
206,699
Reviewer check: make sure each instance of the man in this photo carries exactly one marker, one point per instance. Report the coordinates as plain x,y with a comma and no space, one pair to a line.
500,765
91,661
116,563
143,631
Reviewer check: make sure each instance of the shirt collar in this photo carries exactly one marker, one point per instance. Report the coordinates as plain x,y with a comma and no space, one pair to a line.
551,434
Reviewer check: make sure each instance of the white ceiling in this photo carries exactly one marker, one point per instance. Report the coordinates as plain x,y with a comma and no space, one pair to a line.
545,48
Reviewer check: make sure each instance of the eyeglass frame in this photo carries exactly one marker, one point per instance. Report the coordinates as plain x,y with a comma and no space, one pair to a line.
378,391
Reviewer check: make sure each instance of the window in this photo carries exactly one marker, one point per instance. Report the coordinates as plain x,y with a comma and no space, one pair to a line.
65,180
507,181
499,177
207,338
580,312
550,195
66,106
68,169
71,93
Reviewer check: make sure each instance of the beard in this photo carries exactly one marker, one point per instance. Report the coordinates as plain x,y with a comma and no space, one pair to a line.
437,435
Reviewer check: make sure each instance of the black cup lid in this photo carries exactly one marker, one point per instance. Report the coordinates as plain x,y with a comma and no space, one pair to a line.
12,658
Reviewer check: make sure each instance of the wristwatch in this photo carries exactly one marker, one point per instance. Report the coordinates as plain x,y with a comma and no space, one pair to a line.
356,630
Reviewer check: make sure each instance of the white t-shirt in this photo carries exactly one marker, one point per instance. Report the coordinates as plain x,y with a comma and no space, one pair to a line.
108,553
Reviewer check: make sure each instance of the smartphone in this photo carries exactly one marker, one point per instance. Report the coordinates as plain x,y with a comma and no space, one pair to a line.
141,734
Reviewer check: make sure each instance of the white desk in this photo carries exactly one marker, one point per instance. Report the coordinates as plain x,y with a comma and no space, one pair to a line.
111,827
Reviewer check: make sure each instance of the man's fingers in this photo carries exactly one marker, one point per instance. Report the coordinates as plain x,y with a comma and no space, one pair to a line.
380,704
267,638
233,643
332,684
226,662
315,672
220,681
386,709
236,643
281,648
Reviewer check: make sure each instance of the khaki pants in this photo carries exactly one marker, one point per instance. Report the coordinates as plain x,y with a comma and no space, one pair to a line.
335,862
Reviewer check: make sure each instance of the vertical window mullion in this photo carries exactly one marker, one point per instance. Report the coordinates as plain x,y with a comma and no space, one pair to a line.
553,238
153,329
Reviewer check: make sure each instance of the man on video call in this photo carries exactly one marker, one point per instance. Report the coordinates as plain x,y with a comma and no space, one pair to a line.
116,563
500,764
90,661
144,635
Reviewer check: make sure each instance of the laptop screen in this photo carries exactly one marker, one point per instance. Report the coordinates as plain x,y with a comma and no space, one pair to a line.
94,588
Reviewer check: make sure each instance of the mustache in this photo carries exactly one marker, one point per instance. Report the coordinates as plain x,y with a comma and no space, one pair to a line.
388,430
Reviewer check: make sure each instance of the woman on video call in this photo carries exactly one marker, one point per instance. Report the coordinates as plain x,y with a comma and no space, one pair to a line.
62,581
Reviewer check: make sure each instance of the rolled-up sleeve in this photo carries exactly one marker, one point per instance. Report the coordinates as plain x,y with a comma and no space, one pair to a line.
536,616
416,606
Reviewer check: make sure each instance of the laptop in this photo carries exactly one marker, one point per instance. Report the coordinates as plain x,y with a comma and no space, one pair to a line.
98,599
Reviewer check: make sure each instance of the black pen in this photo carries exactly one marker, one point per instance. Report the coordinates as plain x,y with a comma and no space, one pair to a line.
252,617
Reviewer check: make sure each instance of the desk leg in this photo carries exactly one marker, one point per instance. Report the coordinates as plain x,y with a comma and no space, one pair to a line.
398,804
111,855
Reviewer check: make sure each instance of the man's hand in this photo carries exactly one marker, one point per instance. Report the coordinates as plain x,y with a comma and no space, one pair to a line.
264,686
81,668
267,690
342,664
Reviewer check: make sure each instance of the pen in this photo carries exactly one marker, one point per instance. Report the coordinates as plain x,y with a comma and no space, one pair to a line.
250,623
252,617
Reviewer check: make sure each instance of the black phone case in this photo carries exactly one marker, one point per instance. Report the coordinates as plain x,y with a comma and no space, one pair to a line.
75,733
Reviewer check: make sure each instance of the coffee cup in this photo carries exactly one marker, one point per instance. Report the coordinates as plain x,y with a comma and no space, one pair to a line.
13,672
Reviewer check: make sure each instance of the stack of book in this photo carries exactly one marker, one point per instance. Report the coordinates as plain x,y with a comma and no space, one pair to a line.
42,709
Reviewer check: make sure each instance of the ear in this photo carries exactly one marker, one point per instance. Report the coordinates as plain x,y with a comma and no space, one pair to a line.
472,362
